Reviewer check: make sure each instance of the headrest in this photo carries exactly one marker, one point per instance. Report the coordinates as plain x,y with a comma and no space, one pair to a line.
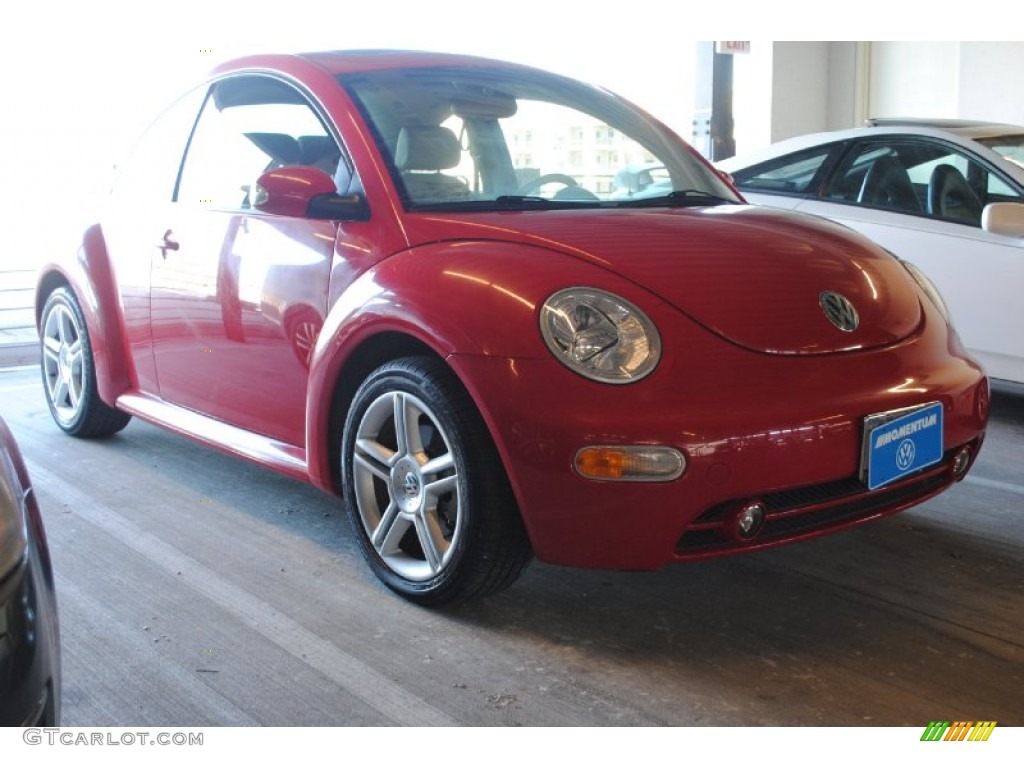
281,147
888,184
313,149
427,148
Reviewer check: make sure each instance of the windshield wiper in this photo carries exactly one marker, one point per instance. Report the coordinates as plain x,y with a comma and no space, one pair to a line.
516,201
505,203
678,197
535,201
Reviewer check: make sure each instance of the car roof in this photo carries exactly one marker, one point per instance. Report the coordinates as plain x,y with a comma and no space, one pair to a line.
364,60
958,131
970,129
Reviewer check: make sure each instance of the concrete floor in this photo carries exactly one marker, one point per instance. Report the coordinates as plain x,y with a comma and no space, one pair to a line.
199,590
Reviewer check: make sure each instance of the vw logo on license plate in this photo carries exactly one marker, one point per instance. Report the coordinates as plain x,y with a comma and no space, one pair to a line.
901,442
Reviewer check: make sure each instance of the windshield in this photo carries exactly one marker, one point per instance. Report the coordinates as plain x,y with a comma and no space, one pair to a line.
1010,147
487,139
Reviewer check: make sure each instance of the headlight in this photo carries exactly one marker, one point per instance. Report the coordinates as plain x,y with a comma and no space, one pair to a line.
12,518
928,287
600,335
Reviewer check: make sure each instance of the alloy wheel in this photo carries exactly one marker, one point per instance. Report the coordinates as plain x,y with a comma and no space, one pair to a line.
407,486
64,368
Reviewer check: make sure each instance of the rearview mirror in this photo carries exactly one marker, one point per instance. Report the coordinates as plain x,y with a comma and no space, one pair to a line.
1003,219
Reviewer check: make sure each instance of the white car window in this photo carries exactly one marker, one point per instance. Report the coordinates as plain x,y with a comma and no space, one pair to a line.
914,176
1010,147
922,172
998,187
877,175
792,174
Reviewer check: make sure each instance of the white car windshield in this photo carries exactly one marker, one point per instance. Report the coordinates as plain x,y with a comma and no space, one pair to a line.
489,139
1010,147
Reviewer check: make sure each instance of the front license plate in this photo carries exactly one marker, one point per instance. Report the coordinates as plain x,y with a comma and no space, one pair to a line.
899,443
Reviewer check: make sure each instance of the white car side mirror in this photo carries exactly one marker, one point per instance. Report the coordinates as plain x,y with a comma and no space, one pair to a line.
1004,219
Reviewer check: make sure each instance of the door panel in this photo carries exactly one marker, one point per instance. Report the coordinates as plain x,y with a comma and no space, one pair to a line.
234,312
238,296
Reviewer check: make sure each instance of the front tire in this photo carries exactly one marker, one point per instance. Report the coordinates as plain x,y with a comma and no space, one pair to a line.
69,374
424,487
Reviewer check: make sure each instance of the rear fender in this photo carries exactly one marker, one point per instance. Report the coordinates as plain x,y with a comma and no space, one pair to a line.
90,277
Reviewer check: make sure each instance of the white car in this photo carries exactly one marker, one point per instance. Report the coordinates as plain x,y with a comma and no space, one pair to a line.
947,195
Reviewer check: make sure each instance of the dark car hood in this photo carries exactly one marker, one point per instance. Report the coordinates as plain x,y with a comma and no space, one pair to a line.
752,275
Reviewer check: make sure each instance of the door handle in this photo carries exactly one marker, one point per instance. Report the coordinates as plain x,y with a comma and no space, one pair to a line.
167,244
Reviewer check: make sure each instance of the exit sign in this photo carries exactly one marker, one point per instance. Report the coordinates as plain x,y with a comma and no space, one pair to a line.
732,46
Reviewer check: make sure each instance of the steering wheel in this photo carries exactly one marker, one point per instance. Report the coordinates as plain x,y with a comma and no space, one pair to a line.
533,185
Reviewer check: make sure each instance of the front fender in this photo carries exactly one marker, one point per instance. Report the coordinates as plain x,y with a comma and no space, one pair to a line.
90,276
467,297
475,298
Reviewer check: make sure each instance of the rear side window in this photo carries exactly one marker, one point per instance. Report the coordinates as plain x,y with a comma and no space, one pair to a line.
151,172
793,174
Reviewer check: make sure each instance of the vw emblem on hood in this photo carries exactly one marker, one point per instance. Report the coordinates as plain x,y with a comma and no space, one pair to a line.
838,309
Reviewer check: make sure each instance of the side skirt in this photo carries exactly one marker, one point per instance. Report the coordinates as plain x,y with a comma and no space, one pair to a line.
282,457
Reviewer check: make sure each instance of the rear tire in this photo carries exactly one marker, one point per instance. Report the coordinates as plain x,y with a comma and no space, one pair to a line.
424,487
69,374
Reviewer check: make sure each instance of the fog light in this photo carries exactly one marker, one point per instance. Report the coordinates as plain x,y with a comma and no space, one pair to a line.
630,462
961,462
749,519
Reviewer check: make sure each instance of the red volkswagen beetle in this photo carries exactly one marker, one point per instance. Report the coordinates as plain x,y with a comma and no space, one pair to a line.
412,280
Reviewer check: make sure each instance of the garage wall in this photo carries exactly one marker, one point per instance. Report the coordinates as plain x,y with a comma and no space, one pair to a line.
784,89
804,102
914,79
973,80
990,82
847,84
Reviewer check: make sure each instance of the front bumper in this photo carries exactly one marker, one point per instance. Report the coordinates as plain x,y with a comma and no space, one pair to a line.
798,513
786,430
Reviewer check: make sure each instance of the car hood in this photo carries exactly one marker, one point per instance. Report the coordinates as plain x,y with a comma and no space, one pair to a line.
754,276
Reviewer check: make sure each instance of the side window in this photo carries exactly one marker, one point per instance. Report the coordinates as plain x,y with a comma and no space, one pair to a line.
957,186
250,125
792,173
876,174
915,176
996,187
151,169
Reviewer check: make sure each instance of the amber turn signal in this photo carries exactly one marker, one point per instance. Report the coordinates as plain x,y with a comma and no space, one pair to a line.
630,462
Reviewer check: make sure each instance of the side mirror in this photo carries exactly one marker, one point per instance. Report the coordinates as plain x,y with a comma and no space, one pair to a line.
299,190
1005,219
